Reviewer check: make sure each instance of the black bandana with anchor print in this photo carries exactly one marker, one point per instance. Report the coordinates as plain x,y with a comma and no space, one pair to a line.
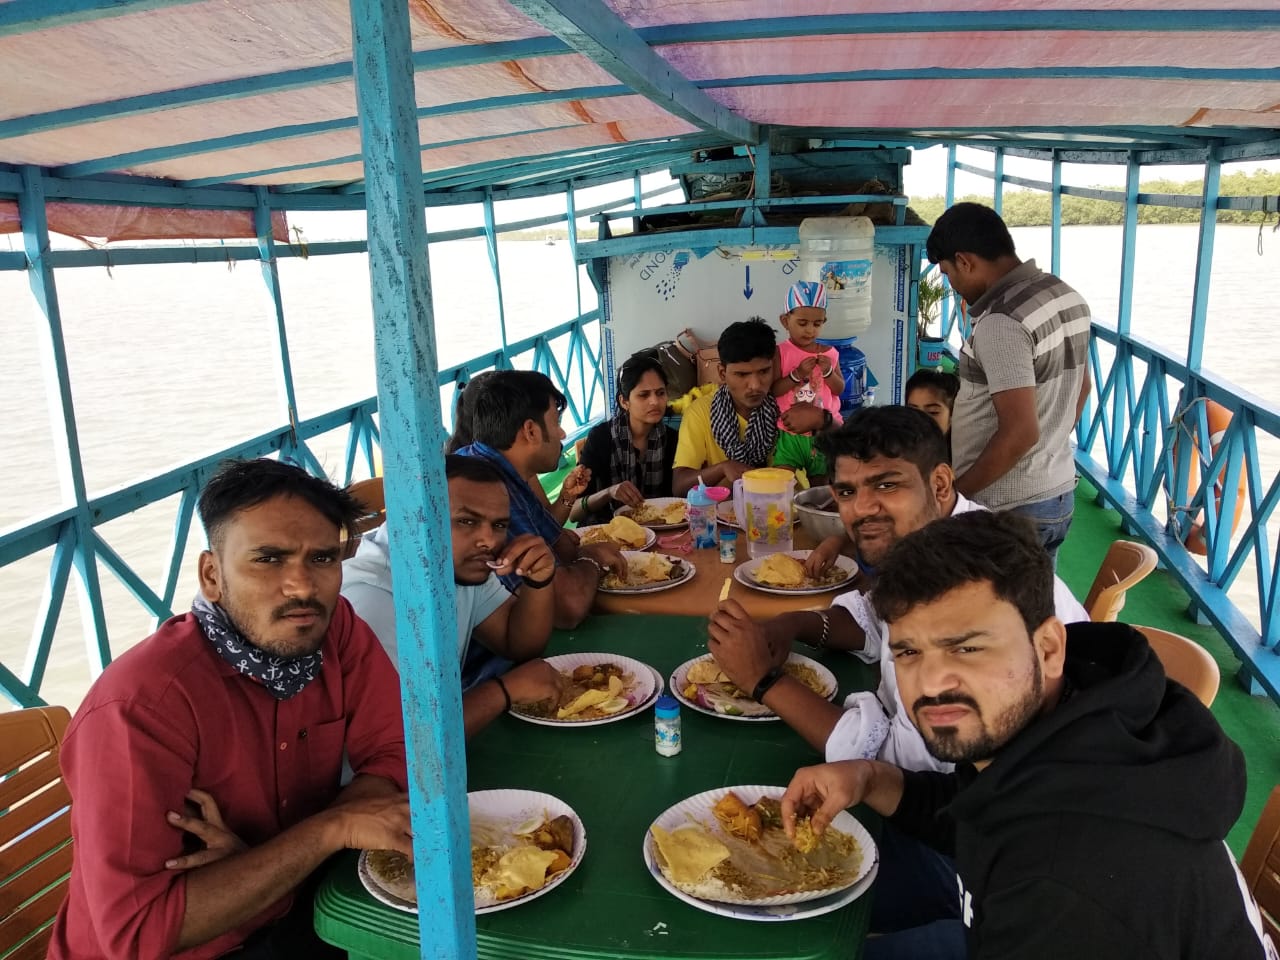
282,677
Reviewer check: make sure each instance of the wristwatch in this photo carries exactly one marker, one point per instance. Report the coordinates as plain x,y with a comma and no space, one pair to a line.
827,419
772,676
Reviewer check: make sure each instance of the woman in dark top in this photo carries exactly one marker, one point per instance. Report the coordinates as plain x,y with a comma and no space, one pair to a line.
629,455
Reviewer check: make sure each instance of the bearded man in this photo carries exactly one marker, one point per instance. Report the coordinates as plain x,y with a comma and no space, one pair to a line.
1091,794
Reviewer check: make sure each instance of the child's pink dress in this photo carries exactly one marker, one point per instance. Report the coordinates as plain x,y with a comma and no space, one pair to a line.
815,390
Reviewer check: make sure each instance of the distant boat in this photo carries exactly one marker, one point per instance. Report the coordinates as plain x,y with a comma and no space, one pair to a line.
551,241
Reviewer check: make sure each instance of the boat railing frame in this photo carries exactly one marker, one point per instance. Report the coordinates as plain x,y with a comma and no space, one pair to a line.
568,353
1136,434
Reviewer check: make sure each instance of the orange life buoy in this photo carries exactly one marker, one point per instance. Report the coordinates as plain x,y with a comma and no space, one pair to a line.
1218,418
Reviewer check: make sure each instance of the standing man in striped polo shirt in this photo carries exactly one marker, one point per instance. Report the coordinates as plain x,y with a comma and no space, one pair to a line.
1024,373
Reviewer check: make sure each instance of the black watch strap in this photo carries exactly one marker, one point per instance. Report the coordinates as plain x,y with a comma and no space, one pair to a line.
772,676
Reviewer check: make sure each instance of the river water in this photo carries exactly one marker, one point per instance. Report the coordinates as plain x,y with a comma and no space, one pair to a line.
171,363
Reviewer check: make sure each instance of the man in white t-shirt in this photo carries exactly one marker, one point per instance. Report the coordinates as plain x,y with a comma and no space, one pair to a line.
890,476
506,627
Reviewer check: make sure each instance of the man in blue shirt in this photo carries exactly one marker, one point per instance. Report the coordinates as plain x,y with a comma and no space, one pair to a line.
516,426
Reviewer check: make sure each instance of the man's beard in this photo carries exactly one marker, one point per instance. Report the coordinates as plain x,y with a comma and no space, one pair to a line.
945,743
872,556
275,648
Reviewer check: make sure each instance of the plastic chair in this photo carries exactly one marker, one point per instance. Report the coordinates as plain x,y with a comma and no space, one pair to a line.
369,493
35,830
1124,566
1261,866
1185,661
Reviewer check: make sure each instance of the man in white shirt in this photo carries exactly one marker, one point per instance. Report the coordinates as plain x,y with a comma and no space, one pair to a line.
507,627
890,476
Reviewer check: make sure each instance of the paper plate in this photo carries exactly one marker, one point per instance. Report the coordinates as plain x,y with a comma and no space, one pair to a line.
753,712
686,565
779,907
656,502
642,690
650,538
779,912
745,575
508,809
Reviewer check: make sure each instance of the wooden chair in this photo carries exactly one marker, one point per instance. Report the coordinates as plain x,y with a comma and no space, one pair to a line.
1125,565
369,493
1261,866
1185,661
35,830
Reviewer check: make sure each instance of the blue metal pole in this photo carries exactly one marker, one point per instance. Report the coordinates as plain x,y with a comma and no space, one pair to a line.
491,244
271,276
998,175
65,433
1123,391
417,493
1204,258
951,306
1055,228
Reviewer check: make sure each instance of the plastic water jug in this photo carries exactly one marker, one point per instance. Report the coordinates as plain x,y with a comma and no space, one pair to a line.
838,252
859,381
762,504
701,511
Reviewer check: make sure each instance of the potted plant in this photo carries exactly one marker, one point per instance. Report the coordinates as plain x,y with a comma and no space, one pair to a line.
929,295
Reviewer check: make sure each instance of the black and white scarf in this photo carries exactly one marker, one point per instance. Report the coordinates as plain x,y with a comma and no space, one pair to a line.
762,429
647,470
282,677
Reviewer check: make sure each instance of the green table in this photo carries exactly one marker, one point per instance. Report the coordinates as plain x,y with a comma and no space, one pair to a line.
610,907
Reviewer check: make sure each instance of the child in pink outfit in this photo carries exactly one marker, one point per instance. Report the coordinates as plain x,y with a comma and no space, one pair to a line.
803,369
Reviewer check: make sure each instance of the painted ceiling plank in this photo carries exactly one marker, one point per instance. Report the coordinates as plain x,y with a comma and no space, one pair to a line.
598,33
135,158
29,16
973,21
427,60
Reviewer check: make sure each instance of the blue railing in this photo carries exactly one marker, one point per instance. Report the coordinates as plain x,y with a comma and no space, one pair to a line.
568,353
1144,438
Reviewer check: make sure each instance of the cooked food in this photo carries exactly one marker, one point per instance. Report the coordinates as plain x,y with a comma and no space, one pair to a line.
781,570
737,818
595,698
514,864
669,513
742,854
591,691
620,530
785,572
806,841
394,872
642,569
689,853
706,685
706,670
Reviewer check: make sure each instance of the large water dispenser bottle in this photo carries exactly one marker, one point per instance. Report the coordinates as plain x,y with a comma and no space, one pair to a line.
838,252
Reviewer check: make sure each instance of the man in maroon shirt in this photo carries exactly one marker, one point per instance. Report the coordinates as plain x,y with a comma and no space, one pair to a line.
203,765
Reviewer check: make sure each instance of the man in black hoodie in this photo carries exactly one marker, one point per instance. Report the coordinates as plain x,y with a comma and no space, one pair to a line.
1091,795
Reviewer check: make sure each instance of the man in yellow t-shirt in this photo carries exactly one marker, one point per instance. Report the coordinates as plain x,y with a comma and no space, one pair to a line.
735,429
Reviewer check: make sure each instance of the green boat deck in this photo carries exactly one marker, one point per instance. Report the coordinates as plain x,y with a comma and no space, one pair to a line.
1158,601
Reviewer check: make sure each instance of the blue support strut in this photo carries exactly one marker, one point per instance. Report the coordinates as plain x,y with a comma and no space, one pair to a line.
417,493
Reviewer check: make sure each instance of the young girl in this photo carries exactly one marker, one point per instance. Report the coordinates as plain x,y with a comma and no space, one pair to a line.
629,457
803,369
933,392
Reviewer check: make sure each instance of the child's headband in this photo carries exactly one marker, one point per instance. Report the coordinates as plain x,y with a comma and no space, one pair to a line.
807,293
